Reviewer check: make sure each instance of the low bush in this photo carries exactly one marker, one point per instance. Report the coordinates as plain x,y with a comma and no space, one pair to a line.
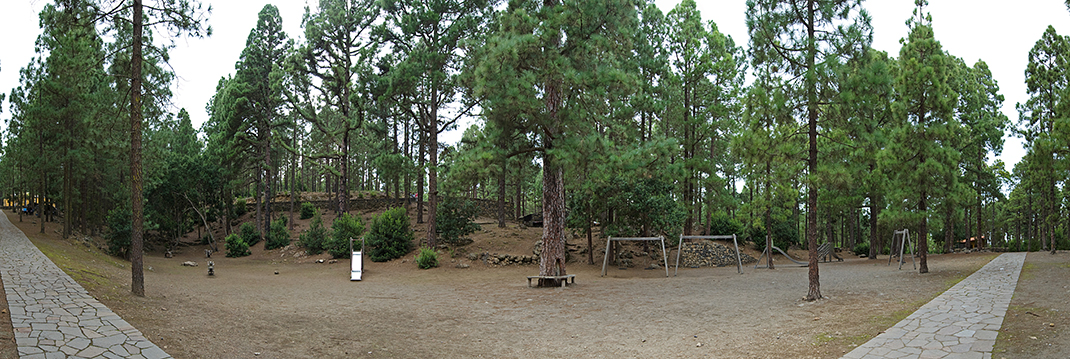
249,234
307,210
240,207
390,236
785,235
118,235
934,248
313,239
455,220
861,248
427,258
279,236
344,228
723,224
236,247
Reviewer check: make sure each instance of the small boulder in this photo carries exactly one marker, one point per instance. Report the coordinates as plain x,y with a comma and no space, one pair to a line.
462,265
189,264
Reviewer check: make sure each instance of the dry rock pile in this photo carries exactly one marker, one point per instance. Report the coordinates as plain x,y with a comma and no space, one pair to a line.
710,254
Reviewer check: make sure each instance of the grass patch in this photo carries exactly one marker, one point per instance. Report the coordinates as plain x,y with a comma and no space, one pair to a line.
84,265
887,321
838,339
1028,271
823,338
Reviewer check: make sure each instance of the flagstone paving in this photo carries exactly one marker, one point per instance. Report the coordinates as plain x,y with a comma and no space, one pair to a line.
960,323
53,316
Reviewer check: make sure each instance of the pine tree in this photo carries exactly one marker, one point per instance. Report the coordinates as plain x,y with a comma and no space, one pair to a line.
804,40
1046,77
329,79
921,159
541,60
179,17
429,39
866,96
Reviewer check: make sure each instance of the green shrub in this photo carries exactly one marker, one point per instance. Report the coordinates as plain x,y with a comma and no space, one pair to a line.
455,220
390,236
119,232
313,239
249,234
934,248
785,235
722,224
344,228
861,248
278,236
236,247
307,210
240,207
427,258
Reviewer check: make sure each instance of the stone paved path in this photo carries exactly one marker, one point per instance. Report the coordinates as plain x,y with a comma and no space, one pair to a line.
53,316
960,323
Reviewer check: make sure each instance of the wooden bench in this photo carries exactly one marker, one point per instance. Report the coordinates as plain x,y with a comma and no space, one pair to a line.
563,278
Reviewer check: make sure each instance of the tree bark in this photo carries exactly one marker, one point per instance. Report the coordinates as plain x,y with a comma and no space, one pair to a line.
137,280
519,191
293,179
501,193
268,194
432,172
813,275
420,197
343,179
768,218
552,258
874,238
949,230
923,236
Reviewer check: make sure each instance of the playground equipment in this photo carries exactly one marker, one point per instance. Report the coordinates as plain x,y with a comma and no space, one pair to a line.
356,262
904,240
825,252
800,263
679,249
665,258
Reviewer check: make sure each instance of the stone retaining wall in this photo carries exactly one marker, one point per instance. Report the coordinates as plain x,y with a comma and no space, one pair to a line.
710,254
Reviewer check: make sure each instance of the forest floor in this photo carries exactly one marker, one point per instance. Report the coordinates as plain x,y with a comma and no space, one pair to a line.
311,309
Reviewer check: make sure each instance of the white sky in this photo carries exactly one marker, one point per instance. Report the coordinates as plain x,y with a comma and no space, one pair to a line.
1000,33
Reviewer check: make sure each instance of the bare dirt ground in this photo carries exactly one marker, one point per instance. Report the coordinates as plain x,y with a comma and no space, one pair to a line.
311,309
1037,324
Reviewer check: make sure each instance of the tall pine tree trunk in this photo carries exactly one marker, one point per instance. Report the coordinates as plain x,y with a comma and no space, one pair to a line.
519,192
501,193
343,179
923,234
293,179
949,230
268,194
137,280
420,197
874,237
813,275
768,218
432,172
552,258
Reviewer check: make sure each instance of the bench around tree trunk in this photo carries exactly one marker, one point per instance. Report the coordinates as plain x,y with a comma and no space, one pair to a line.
563,278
